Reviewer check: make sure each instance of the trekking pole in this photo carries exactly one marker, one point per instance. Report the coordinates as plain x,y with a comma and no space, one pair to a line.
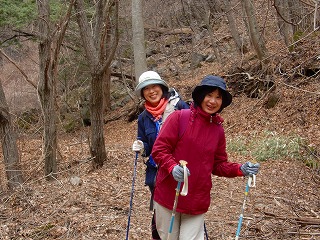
132,191
205,231
251,183
184,192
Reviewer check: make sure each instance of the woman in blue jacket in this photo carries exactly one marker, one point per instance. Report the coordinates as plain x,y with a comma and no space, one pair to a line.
160,101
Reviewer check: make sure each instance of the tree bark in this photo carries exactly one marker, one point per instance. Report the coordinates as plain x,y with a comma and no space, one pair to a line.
9,145
106,89
257,39
212,7
100,44
316,15
46,91
138,41
49,48
284,20
241,47
97,147
299,15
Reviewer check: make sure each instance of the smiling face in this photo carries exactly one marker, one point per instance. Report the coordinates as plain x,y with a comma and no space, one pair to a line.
212,102
153,94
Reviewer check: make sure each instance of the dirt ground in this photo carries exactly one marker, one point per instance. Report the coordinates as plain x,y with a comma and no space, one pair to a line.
285,204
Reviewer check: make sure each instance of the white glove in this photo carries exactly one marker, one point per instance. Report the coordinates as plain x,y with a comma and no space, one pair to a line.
137,146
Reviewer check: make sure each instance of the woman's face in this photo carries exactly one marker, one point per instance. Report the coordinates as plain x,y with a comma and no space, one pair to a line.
212,102
153,94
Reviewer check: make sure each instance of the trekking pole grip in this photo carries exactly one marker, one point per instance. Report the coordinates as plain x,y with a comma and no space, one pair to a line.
184,190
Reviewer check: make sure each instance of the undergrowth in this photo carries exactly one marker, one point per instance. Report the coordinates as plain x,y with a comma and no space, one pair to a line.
273,146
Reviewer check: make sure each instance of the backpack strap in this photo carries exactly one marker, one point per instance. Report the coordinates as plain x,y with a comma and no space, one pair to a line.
183,121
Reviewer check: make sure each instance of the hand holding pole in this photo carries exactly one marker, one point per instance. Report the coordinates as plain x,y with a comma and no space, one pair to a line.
184,192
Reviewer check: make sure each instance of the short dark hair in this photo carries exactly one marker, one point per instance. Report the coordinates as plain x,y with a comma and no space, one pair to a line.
202,94
206,90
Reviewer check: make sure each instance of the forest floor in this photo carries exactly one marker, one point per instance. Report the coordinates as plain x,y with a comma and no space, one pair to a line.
285,204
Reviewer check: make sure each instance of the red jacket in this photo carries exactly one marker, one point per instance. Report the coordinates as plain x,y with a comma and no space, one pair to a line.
203,146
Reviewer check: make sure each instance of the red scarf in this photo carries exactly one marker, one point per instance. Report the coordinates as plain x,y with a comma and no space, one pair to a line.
158,110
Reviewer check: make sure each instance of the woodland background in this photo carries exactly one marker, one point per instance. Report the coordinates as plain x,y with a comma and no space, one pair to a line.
68,112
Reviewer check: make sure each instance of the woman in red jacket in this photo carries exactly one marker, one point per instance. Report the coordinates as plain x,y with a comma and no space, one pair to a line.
203,146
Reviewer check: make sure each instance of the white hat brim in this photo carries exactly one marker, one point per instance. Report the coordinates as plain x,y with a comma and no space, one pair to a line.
145,83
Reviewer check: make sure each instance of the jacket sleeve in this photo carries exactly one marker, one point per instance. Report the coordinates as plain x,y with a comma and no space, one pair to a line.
222,167
163,148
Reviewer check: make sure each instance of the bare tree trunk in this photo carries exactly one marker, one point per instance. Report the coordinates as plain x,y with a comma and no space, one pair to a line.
242,48
46,91
140,62
257,39
97,136
9,145
284,20
106,89
100,46
315,15
299,15
211,7
49,48
190,14
107,71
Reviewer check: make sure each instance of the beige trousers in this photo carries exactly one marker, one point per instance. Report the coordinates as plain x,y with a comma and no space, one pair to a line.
185,226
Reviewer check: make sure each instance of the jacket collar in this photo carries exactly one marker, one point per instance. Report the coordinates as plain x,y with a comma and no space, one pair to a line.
214,118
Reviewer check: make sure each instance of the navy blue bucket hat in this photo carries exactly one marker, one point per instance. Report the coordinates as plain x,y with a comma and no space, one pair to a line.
208,83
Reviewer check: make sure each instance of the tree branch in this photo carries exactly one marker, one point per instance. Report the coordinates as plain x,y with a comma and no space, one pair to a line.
20,70
116,38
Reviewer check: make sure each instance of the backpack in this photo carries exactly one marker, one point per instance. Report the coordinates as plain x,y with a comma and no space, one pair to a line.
183,121
172,103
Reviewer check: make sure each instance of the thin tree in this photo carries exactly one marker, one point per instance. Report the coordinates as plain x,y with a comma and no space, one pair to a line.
9,145
241,47
256,38
100,47
49,49
138,40
301,15
284,20
315,15
210,8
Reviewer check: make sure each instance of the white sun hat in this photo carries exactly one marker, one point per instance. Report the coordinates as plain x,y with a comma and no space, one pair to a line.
148,78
